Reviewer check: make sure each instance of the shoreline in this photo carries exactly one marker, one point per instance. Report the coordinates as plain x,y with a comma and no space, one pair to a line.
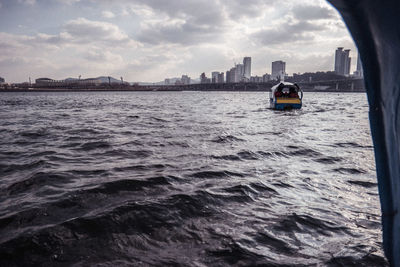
43,90
63,90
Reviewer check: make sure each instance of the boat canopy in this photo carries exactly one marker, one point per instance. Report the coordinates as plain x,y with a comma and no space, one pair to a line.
287,85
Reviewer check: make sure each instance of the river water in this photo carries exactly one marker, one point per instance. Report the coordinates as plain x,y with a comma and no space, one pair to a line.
186,179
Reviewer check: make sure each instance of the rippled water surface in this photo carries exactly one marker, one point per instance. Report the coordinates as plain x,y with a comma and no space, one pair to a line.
186,178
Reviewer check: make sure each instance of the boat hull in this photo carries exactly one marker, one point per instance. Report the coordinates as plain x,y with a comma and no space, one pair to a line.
282,103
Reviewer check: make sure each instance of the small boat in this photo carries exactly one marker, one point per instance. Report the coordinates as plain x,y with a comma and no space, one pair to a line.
285,95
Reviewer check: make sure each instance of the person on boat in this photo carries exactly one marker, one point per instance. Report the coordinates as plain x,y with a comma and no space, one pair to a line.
278,92
293,93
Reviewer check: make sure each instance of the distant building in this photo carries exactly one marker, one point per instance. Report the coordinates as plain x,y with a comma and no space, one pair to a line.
214,76
266,77
239,76
167,81
247,67
185,79
90,81
359,71
278,70
231,75
204,79
44,81
256,79
234,75
2,80
220,78
342,61
51,82
228,76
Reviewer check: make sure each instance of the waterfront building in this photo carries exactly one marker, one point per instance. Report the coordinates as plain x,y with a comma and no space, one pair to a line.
247,67
231,75
239,76
220,78
342,61
228,76
278,70
2,80
204,79
256,79
266,77
167,81
51,82
214,76
185,79
359,71
234,75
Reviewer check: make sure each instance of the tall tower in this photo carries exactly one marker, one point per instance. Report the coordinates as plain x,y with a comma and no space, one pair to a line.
278,70
247,67
214,76
339,61
359,71
347,61
239,72
342,61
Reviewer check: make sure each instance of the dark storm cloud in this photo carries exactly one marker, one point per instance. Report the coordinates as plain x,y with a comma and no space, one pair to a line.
309,12
287,32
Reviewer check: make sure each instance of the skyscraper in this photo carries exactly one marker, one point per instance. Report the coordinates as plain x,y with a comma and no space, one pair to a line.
342,61
220,78
359,72
233,75
239,73
247,67
214,76
228,76
278,70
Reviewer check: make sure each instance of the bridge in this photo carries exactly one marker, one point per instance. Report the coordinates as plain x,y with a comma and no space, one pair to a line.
344,85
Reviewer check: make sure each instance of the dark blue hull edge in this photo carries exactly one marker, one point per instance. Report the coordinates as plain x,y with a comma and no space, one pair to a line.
287,106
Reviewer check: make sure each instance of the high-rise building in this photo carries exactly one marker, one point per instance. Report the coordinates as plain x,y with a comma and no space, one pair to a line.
359,71
239,72
342,61
214,76
247,67
220,78
233,75
278,70
228,76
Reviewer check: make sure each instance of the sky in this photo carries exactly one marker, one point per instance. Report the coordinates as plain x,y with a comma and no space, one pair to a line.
150,40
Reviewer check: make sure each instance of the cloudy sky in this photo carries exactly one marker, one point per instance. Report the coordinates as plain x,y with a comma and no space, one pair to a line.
149,40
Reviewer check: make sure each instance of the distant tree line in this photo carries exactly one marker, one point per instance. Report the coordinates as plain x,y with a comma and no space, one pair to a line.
315,77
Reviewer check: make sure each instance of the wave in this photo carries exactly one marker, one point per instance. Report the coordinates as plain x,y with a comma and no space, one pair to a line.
226,139
216,174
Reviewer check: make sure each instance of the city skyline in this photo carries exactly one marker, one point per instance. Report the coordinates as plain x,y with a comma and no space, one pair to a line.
146,41
238,73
